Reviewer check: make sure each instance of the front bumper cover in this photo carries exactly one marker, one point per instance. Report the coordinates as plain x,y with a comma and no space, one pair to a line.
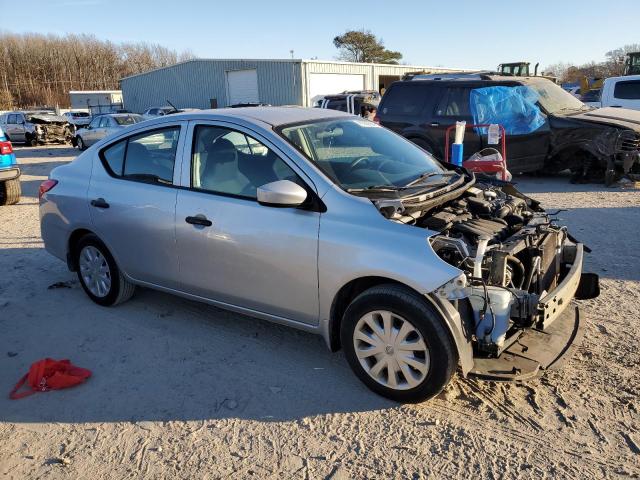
535,351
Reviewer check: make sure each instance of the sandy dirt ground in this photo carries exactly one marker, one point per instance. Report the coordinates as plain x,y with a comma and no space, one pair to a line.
185,390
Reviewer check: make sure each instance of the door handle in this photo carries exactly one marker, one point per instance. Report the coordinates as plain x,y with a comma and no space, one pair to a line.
434,124
99,203
199,220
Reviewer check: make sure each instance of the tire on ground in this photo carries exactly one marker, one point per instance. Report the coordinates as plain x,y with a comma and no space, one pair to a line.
425,318
10,192
121,289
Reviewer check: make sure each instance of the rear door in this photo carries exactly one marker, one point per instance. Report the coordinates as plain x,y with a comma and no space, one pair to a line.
452,107
626,94
132,202
406,109
15,127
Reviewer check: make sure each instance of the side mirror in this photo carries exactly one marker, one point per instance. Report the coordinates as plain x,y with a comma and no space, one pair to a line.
281,193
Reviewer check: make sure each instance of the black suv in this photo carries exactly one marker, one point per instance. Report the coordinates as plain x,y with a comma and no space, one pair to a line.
570,134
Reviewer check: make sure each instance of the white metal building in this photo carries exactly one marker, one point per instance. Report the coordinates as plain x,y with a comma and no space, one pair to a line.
96,101
203,83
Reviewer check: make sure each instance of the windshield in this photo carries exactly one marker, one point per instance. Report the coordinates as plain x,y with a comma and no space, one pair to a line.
128,119
360,154
553,98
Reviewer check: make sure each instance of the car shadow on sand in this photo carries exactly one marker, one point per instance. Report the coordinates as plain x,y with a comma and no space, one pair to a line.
159,357
45,151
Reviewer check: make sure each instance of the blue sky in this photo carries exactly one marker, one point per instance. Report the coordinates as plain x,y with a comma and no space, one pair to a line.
427,33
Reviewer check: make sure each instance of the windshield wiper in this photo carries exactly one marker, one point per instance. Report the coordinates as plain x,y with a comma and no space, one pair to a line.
427,175
375,188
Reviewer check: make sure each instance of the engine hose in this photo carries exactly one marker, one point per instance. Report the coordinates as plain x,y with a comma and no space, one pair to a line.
515,261
534,266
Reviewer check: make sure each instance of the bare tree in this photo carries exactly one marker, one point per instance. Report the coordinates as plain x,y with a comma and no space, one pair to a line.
38,70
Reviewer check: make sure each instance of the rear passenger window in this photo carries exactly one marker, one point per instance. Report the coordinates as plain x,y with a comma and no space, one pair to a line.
627,90
454,103
114,157
340,105
151,156
147,157
405,99
229,162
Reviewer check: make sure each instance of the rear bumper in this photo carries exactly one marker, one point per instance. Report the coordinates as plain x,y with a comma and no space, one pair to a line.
535,351
9,173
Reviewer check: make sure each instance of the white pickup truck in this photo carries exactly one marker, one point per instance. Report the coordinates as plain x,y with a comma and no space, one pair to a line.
622,92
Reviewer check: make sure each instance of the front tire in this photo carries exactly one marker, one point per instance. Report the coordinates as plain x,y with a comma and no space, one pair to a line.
80,143
100,277
397,343
10,192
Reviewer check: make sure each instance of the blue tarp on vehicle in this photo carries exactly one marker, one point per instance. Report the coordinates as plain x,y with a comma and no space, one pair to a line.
515,108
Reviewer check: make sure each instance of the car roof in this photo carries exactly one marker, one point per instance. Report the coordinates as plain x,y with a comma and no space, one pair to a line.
478,79
274,116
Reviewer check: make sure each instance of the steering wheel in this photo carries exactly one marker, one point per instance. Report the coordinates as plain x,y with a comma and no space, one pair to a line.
355,164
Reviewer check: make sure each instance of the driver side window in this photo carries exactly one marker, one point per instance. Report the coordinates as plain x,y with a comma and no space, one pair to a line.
229,162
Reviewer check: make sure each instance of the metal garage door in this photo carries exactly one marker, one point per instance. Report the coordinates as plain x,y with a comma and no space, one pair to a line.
242,86
331,83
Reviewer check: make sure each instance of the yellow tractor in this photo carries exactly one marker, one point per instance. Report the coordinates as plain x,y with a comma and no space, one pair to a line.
632,64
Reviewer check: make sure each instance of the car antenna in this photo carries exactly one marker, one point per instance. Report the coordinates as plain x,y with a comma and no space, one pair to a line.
173,106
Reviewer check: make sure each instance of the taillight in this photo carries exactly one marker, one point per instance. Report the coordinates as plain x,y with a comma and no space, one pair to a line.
5,148
376,118
46,186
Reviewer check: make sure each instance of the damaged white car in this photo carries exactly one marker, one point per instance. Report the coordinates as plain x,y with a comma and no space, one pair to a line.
35,127
332,224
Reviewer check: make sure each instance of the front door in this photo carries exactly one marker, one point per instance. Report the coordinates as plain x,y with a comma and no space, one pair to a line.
15,127
132,203
233,250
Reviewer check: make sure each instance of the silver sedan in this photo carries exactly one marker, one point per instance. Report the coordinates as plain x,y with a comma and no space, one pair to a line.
102,126
318,220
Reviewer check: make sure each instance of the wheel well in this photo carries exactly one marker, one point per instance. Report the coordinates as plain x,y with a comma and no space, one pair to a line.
71,248
342,300
570,157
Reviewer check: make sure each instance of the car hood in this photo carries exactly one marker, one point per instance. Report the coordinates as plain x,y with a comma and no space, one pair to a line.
618,117
45,118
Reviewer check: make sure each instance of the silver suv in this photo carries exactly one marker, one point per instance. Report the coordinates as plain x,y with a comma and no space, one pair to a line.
328,223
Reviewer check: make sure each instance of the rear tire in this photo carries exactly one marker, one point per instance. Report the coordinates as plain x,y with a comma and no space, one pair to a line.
10,192
420,373
100,277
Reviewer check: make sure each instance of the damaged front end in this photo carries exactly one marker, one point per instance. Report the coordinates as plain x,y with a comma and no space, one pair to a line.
519,273
48,128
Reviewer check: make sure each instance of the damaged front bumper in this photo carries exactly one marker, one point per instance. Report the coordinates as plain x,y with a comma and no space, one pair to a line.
535,350
557,330
552,330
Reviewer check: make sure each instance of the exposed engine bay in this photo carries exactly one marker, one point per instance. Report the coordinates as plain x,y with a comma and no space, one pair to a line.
520,269
49,128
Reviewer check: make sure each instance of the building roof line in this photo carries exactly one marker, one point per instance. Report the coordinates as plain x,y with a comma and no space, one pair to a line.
295,60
